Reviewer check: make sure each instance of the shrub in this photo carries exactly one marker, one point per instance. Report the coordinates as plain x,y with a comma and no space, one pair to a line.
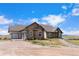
5,39
44,42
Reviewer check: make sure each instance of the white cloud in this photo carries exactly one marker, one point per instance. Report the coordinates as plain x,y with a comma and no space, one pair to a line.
64,7
35,20
43,23
24,21
54,20
21,21
72,32
75,12
4,20
3,32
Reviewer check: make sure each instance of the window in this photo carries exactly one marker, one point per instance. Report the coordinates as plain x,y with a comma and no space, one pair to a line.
40,34
50,35
14,35
30,33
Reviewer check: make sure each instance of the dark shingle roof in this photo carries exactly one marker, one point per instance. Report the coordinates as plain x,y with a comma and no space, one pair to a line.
16,28
47,28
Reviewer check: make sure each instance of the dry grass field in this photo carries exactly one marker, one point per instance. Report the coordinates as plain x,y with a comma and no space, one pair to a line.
51,47
4,37
49,42
72,39
76,42
25,48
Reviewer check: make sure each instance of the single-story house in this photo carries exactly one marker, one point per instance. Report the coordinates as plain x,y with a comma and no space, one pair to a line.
34,31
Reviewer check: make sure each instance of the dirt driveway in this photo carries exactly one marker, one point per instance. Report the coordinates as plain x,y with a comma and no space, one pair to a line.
24,48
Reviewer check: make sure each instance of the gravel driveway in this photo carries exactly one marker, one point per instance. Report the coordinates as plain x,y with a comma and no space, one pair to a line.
24,48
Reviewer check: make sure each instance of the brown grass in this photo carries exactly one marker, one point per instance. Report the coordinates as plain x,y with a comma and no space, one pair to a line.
73,41
49,42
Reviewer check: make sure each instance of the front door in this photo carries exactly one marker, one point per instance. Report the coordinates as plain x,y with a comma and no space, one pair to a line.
35,34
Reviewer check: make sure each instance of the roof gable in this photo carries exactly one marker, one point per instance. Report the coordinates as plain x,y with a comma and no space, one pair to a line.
33,26
47,28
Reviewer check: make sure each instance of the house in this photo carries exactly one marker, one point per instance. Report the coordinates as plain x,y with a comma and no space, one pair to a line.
34,31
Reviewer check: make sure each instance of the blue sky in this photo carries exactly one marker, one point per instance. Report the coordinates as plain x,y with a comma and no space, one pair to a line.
63,15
